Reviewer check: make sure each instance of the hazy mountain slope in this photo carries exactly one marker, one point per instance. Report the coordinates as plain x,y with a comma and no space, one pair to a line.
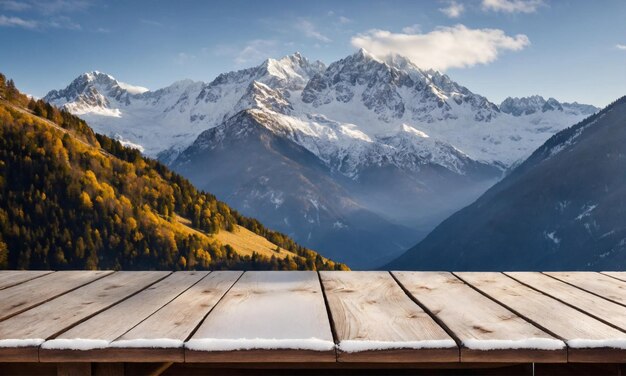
563,208
73,199
270,176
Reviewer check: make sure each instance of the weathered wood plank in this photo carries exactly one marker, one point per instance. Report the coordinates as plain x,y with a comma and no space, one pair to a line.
375,321
582,333
173,324
159,337
32,327
98,332
29,294
487,330
593,305
618,275
10,278
266,316
596,283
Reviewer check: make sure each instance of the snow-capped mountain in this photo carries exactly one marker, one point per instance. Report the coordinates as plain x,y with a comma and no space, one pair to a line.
170,119
405,145
537,104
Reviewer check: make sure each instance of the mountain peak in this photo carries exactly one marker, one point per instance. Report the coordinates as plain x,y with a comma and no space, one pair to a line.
363,55
293,70
538,104
95,75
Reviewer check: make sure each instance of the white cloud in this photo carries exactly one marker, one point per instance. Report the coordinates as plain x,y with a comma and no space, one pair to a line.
413,29
621,47
14,6
309,30
183,58
443,48
344,20
512,6
453,10
255,51
63,22
17,22
60,6
150,22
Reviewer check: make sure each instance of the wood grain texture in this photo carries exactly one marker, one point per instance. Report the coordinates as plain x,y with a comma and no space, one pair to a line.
370,309
555,317
593,305
280,319
596,283
10,278
273,356
486,329
58,315
19,354
127,355
29,294
282,310
618,275
74,369
180,317
119,319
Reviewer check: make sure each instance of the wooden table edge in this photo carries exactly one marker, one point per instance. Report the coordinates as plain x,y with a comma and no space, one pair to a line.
445,355
113,354
260,356
513,356
596,355
27,354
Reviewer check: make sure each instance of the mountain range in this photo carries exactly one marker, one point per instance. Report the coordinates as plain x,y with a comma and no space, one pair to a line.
561,209
359,159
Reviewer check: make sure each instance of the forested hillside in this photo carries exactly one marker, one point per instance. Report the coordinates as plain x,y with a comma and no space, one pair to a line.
72,199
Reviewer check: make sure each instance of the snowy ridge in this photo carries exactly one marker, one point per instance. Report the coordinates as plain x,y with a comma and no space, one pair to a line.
536,103
357,112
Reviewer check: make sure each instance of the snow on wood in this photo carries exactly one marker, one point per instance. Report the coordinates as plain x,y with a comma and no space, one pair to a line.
268,310
12,342
351,346
504,344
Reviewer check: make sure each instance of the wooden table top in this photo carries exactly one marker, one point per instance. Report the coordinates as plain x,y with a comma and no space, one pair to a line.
311,317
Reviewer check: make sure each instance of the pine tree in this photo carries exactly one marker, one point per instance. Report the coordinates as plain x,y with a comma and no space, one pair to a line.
11,92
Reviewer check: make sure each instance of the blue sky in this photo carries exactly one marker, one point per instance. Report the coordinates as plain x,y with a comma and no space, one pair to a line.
568,49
